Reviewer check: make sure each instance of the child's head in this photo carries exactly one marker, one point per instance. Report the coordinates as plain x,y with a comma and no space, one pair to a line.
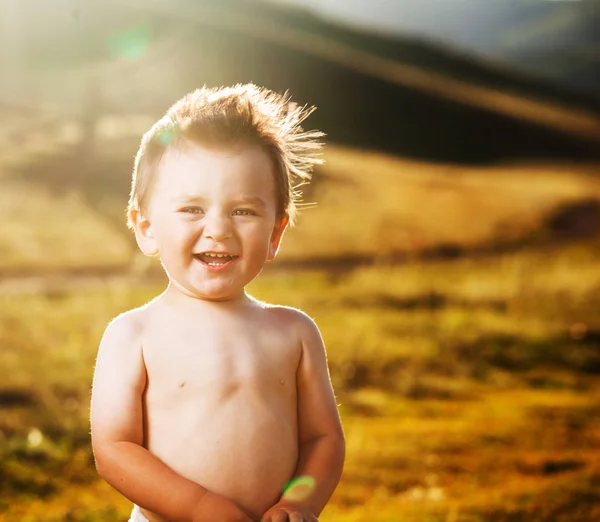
213,186
228,117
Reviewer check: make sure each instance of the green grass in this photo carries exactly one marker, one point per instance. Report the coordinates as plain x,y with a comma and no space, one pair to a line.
465,392
468,388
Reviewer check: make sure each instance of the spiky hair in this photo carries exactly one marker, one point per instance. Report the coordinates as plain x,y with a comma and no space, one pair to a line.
228,116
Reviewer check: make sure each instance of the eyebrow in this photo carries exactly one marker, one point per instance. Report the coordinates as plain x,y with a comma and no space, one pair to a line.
188,199
247,200
252,200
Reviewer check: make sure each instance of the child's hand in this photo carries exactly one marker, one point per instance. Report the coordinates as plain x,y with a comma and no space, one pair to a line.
214,507
286,511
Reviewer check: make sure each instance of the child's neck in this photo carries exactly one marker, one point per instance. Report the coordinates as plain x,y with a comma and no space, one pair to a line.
178,297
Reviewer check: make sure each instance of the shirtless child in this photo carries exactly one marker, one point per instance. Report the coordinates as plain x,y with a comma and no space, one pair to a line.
206,402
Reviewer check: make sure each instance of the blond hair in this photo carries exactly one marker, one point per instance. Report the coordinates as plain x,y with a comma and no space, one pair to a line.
228,116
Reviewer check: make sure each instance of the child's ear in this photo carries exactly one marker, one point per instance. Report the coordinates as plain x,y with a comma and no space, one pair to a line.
144,235
276,237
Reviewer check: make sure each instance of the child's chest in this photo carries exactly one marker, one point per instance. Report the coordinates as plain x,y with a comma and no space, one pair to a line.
220,357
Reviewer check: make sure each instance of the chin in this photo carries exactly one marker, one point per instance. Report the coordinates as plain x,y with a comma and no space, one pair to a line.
225,293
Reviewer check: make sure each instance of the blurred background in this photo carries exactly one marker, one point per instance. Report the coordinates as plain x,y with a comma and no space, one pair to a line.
452,259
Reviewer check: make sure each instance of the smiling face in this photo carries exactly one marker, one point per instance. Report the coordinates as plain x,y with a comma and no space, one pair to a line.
212,218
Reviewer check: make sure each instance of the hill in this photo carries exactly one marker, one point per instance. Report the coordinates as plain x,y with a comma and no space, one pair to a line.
378,209
396,95
553,40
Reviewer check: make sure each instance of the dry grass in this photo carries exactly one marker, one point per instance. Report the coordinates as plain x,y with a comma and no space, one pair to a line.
374,205
369,205
479,403
468,388
45,230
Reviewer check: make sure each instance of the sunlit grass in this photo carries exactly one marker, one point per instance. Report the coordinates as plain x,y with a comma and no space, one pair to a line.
460,401
468,387
44,230
368,204
375,205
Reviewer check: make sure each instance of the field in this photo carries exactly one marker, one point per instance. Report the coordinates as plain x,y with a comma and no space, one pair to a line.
460,307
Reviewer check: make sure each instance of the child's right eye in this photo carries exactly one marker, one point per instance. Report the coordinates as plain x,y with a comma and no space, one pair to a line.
192,210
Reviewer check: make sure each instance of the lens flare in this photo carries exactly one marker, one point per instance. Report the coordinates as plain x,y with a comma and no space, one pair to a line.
131,43
299,488
165,136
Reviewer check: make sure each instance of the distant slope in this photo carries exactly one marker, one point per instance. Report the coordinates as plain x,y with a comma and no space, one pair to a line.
563,45
378,208
454,37
556,40
396,95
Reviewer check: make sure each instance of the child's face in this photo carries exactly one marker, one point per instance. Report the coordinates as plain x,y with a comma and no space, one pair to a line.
212,201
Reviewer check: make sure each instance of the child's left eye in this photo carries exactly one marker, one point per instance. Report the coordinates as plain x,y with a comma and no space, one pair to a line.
243,212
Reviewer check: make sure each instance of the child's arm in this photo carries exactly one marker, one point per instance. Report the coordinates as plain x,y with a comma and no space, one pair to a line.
117,436
321,439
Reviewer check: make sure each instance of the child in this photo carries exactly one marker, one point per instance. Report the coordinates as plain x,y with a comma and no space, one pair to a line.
207,402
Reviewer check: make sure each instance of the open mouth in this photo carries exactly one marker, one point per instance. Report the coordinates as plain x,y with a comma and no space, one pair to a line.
215,259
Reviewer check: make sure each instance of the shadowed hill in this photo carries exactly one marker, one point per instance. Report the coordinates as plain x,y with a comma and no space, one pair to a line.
370,100
557,40
398,96
427,49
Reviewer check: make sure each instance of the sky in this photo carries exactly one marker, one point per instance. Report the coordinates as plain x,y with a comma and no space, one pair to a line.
378,14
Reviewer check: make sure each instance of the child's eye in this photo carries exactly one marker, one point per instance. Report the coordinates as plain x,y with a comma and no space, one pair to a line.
192,210
243,212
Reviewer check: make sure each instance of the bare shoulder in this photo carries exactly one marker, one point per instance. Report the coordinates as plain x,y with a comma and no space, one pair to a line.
125,329
296,321
289,316
127,323
122,342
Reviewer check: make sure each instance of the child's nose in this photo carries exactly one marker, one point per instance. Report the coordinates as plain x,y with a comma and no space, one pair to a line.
217,227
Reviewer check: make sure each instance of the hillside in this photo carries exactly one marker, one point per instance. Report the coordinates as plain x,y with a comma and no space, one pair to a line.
400,96
378,209
552,40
